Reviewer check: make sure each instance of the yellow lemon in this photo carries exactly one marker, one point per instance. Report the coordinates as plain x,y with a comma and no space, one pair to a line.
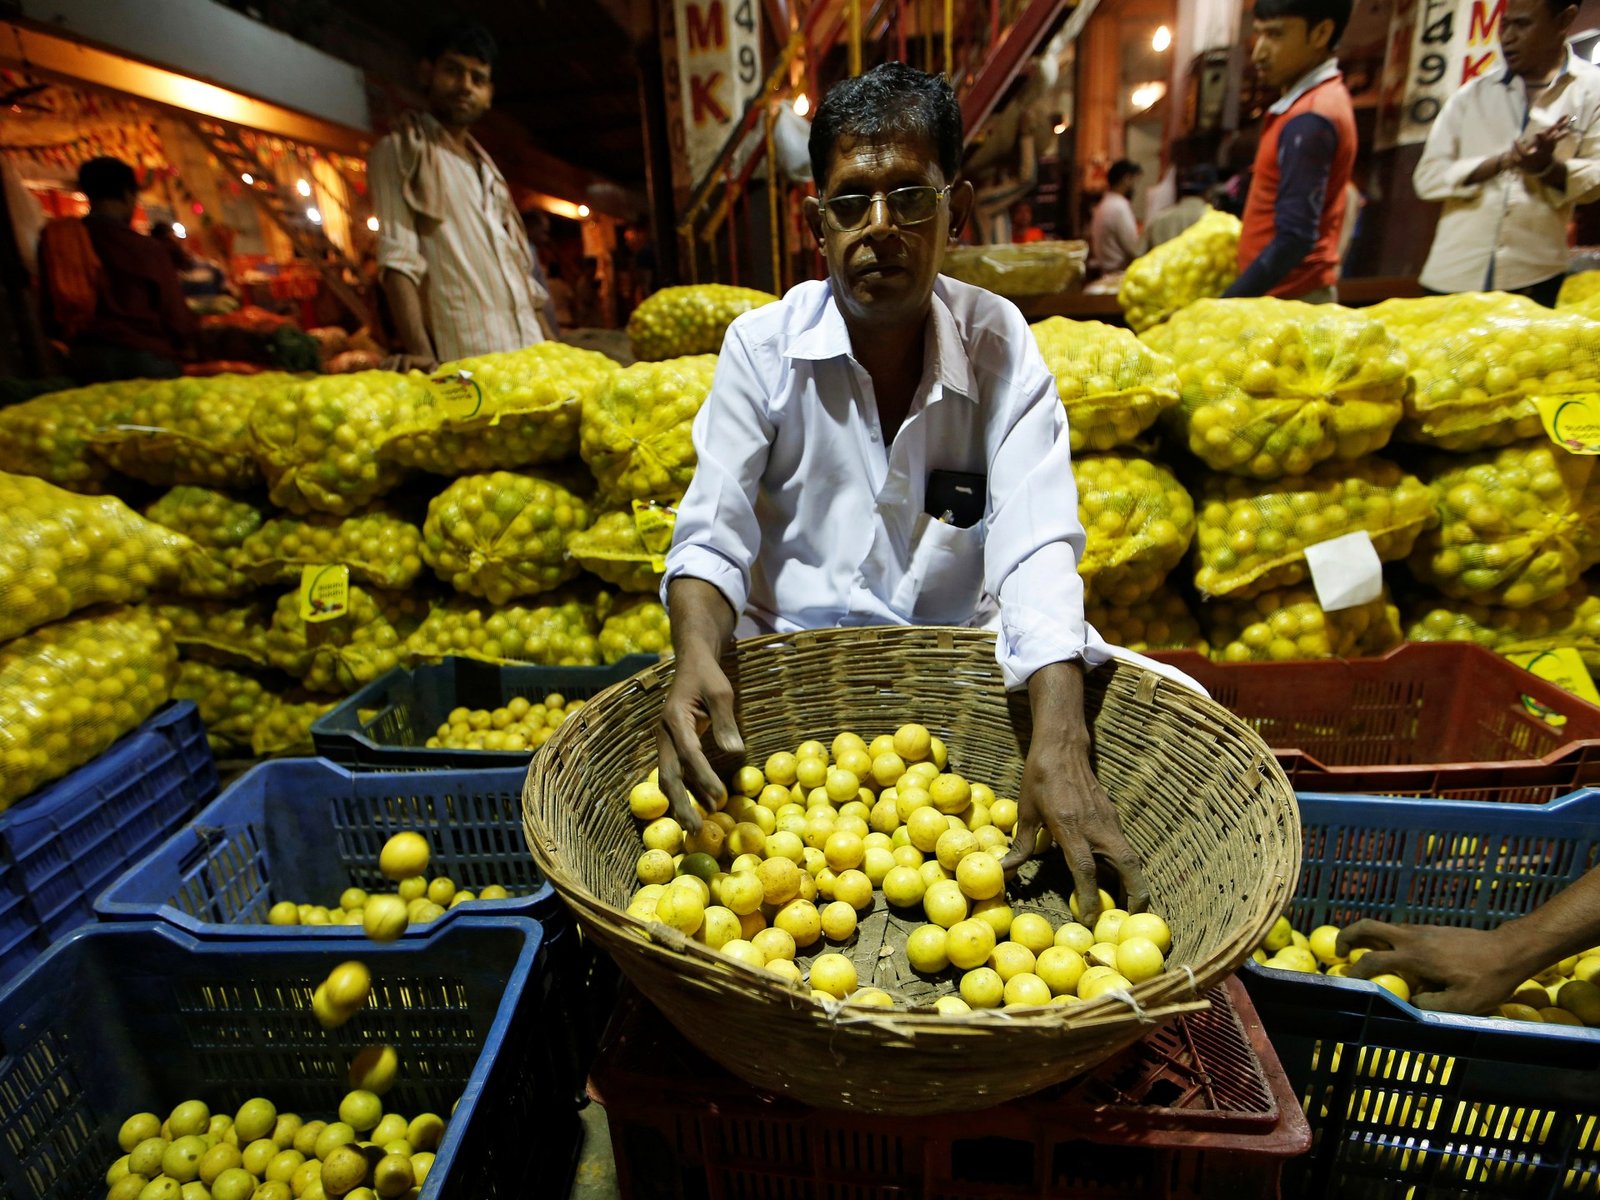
980,876
800,920
854,888
1060,967
872,998
926,949
932,872
857,762
285,912
1393,983
1147,925
1033,931
925,826
834,974
950,793
1302,959
785,844
745,952
938,754
743,892
721,926
847,741
682,908
811,771
954,845
838,921
1076,937
1103,954
785,969
881,745
1011,958
913,743
843,850
385,918
708,839
1091,989
908,798
655,866
944,903
774,943
969,943
876,864
414,888
1280,935
1109,925
781,768
1026,990
1106,902
951,1005
663,834
903,887
1138,959
1324,943
780,880
983,988
910,856
842,785
996,911
1003,814
746,838
349,984
403,856
647,801
887,769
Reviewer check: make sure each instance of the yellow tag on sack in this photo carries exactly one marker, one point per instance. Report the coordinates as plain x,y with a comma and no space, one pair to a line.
1572,422
324,592
655,523
1565,669
458,392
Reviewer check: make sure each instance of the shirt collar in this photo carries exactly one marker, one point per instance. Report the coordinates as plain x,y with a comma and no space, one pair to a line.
946,357
1329,69
1566,70
436,133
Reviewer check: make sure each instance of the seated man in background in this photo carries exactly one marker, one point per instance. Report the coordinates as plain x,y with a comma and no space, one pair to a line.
1194,190
1113,232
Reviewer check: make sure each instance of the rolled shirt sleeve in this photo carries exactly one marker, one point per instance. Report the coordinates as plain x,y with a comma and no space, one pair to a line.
399,246
718,535
1035,541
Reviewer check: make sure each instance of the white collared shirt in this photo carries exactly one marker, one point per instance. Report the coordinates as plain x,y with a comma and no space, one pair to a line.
1319,74
1510,231
802,518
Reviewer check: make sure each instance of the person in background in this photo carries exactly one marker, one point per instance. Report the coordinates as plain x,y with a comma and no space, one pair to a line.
561,297
197,276
1476,970
1194,188
537,222
1295,210
1113,232
1023,230
111,294
457,268
1510,155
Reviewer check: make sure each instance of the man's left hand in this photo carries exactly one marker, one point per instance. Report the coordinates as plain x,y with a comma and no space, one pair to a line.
1061,794
1536,152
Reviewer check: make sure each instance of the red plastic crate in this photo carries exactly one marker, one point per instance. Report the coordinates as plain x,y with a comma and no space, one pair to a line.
1201,1107
1441,719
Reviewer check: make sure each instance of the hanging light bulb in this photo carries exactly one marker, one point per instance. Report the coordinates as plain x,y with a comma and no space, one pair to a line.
583,211
178,230
1162,40
303,188
247,179
372,224
802,104
313,216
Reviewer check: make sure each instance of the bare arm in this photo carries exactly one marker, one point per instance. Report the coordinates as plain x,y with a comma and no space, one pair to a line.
405,302
700,698
1474,970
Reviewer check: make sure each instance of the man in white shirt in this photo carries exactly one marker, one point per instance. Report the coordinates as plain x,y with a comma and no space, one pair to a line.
1510,155
1194,191
1113,231
456,266
887,447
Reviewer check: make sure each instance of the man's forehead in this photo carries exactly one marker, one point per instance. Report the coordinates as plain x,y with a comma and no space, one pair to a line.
465,62
868,154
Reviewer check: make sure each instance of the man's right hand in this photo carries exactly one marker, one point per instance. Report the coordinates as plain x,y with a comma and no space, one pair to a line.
1450,970
700,698
425,363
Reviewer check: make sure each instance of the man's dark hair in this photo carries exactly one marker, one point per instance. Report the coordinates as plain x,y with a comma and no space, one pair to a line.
1197,180
1313,13
1556,7
106,179
466,38
889,100
1123,168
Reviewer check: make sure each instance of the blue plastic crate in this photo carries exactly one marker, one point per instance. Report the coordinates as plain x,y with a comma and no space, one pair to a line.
387,723
120,1019
304,829
1426,1105
62,845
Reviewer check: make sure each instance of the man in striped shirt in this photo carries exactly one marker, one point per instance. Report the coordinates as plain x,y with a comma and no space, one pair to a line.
455,261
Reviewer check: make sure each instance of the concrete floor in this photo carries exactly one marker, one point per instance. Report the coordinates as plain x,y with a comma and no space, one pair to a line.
596,1177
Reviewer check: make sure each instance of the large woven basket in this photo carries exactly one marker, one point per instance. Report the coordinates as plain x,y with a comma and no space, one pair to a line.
1200,797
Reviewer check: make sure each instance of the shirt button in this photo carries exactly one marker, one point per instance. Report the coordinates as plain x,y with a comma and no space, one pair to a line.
874,435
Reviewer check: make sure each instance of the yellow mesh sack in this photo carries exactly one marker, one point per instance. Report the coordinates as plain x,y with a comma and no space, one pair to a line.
319,441
379,546
68,690
1252,536
1517,525
286,728
1579,290
1570,618
219,525
612,549
49,436
343,654
1273,387
231,703
227,633
502,535
1112,385
562,631
1163,622
1479,361
1289,624
637,423
1138,521
688,320
1200,262
516,409
187,430
61,551
638,626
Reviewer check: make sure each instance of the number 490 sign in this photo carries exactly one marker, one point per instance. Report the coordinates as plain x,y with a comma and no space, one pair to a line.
719,70
1435,48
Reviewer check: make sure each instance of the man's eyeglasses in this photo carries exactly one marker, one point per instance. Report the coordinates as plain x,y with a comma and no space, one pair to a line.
907,206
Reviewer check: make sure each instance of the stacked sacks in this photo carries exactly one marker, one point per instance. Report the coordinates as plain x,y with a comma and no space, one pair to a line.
688,320
1479,361
1253,536
1200,262
1289,624
1112,385
348,651
613,549
378,545
1162,622
560,630
503,535
637,424
1568,619
171,431
49,437
219,525
1138,522
1272,387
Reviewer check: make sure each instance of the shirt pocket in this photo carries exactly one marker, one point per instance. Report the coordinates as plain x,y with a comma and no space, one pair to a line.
943,579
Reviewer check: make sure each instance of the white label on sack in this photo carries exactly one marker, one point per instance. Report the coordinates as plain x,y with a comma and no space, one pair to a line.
1345,571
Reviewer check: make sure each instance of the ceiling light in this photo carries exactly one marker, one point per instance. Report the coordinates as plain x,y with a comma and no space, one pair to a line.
802,104
1162,40
248,180
583,211
303,188
178,230
372,224
313,216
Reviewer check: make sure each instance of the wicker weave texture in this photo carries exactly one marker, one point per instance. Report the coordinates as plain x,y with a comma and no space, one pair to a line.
1200,797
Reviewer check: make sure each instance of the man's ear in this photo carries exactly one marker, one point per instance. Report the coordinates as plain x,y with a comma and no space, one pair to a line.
961,201
1320,36
813,211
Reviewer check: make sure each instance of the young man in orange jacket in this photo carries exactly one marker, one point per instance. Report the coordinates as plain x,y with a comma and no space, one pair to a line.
1294,214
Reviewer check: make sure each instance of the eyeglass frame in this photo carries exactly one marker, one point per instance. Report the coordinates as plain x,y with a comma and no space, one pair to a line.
941,194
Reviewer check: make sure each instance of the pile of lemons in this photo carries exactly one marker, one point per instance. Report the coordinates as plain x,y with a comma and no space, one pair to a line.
688,320
341,655
1112,385
639,627
379,546
1163,622
636,428
48,436
563,631
1289,624
384,916
1565,993
1201,261
1138,522
817,839
612,549
186,430
517,725
1569,618
219,525
502,535
259,1153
